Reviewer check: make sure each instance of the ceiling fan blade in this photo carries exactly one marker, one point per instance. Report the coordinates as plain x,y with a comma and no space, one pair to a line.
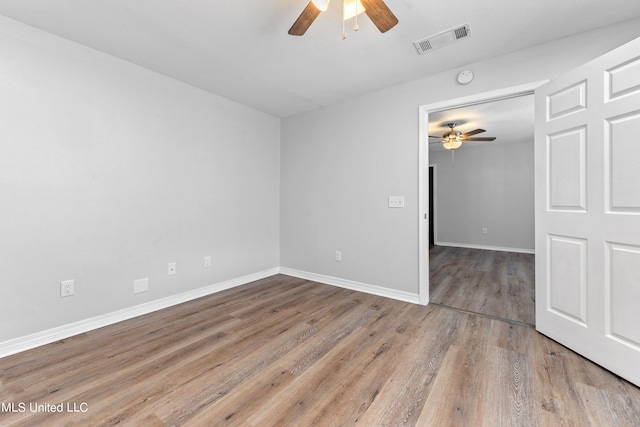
380,14
304,21
488,138
473,132
433,136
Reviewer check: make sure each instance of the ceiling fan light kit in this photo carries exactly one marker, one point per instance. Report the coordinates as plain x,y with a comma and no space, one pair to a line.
321,4
376,10
453,139
452,144
351,9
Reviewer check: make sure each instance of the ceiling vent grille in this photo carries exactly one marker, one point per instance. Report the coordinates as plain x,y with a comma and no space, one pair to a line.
442,39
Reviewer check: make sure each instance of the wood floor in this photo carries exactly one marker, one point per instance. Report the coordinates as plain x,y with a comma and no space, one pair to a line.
289,352
499,284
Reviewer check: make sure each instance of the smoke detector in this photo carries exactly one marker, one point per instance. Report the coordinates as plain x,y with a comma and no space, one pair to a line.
444,38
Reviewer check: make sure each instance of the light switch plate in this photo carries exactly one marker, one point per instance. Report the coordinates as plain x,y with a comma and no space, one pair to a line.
396,201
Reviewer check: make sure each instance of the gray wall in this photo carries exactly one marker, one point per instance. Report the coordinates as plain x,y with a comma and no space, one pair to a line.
340,164
487,186
109,171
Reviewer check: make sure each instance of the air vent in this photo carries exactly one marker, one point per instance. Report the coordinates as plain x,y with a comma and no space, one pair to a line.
442,39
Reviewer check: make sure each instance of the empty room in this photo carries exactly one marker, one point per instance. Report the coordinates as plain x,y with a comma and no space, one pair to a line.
294,213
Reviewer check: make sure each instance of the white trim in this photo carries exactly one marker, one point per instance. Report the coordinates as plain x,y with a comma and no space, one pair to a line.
423,207
423,141
350,284
37,339
487,248
484,97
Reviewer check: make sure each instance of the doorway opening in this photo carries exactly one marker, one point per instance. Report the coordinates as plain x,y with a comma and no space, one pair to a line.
476,266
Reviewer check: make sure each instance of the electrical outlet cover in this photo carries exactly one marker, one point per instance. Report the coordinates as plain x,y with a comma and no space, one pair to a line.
67,288
141,285
396,201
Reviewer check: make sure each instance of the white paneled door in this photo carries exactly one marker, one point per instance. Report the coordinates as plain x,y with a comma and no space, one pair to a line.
588,210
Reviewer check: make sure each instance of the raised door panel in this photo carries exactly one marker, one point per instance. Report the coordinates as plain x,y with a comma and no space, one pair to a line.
623,163
623,79
623,293
567,282
566,157
567,100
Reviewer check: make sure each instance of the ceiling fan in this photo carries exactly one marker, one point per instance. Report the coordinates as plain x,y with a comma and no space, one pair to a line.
454,139
376,10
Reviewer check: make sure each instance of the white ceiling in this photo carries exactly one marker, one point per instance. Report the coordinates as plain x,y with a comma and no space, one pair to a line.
240,49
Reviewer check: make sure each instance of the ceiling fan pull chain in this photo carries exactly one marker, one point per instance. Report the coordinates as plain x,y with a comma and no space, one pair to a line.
343,35
356,27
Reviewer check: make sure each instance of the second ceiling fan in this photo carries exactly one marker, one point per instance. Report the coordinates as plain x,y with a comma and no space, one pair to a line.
376,10
454,139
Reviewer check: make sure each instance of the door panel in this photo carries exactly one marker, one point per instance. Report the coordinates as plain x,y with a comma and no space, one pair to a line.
622,177
623,79
567,100
623,278
567,170
567,283
588,210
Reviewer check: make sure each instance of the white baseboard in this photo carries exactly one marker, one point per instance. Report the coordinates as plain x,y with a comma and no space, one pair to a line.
487,248
353,285
28,342
48,336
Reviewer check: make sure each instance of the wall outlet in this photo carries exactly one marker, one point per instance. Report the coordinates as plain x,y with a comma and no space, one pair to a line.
396,201
338,256
207,261
171,268
141,285
67,288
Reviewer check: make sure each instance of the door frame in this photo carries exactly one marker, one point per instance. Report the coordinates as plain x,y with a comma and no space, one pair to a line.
423,166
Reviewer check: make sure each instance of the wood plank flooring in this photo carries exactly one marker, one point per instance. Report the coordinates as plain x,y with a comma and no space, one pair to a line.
494,283
288,352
